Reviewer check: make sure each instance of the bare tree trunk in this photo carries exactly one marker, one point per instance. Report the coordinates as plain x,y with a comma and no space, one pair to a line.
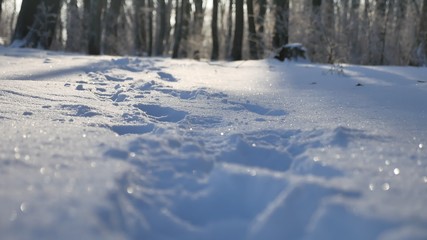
262,10
178,30
150,27
400,19
422,37
377,56
316,42
111,29
12,18
84,41
327,33
73,27
161,27
140,30
169,7
26,18
95,27
366,34
236,51
253,48
353,39
37,23
214,26
182,29
186,17
281,23
229,29
197,37
1,3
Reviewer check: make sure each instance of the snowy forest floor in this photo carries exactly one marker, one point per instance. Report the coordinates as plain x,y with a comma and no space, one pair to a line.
154,148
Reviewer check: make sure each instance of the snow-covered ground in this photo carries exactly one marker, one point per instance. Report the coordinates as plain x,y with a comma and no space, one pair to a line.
138,148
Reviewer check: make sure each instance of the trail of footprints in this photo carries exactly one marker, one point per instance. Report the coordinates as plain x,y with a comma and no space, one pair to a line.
113,84
176,168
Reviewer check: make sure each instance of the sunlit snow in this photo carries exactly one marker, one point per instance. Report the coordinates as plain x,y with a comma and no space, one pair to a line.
154,148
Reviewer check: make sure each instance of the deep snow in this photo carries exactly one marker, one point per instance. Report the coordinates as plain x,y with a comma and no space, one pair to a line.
138,148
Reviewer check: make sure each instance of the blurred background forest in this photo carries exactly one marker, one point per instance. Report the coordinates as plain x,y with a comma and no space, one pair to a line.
369,32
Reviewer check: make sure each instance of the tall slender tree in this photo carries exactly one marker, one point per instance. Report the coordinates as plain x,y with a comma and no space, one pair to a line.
178,30
168,28
315,38
379,33
214,27
197,28
236,51
95,28
366,33
186,18
260,20
327,32
140,38
182,27
229,24
400,19
252,38
112,27
281,23
85,24
150,27
161,27
353,39
73,27
1,3
422,36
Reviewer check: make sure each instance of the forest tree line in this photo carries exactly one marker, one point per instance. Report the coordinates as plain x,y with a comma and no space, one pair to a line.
370,32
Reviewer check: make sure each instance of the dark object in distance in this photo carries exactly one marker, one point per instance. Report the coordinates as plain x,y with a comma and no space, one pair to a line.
291,51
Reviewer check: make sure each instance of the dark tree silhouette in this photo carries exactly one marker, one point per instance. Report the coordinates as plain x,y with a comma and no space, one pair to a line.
281,23
36,23
229,28
95,28
262,10
161,30
214,26
353,36
182,26
73,27
236,51
178,30
1,3
253,47
112,26
150,27
377,56
327,31
197,37
140,30
422,37
25,19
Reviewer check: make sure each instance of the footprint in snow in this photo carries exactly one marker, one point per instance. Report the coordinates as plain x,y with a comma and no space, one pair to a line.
256,108
132,129
167,77
117,78
164,114
79,110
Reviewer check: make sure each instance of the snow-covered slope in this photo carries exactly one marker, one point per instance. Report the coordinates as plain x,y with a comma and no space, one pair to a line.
136,148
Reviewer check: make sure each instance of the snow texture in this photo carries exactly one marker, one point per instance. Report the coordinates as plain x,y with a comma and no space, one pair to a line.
137,148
